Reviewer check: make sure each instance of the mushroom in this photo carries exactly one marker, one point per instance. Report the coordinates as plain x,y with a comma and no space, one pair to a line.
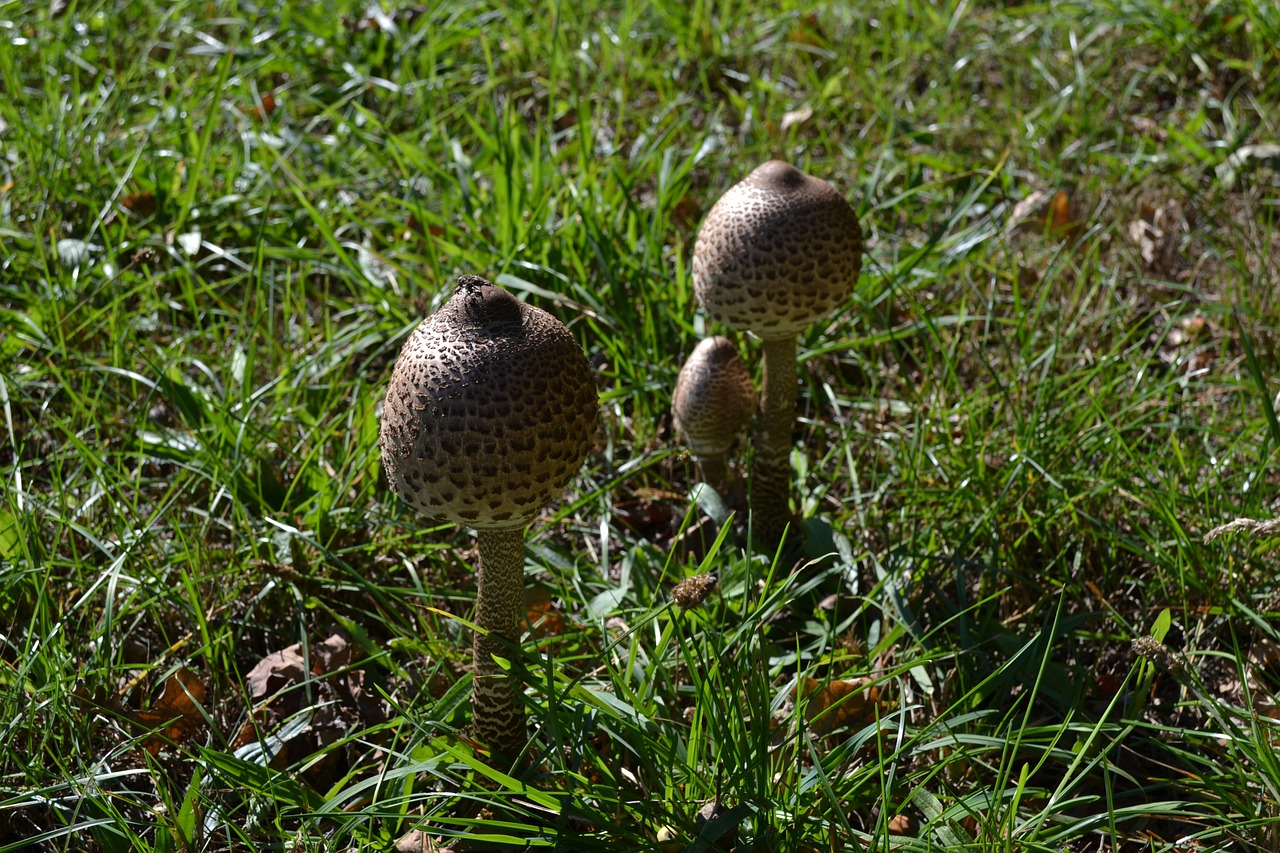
778,251
712,404
490,412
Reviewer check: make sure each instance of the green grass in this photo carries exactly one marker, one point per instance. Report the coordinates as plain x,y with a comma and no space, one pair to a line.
219,222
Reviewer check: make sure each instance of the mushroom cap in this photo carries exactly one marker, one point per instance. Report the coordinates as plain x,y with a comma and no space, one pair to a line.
490,412
714,398
778,251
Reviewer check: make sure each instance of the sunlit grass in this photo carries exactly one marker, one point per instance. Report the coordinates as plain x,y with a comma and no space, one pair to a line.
218,224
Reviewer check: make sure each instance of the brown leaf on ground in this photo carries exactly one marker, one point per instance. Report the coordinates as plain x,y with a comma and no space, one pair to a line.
1062,222
541,616
265,106
275,672
331,655
792,118
1020,216
808,30
1184,343
1156,234
902,824
645,516
176,716
141,205
418,841
1043,213
847,703
336,702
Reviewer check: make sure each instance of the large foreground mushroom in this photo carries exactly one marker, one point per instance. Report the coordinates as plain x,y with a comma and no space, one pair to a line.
778,251
490,412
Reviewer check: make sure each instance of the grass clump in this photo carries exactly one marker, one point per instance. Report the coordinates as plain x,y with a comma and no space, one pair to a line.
219,630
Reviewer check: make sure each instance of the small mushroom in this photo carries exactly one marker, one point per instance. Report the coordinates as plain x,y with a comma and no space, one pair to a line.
778,251
712,404
490,412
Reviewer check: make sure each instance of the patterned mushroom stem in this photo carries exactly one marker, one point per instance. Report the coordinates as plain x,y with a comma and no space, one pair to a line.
497,712
715,471
771,465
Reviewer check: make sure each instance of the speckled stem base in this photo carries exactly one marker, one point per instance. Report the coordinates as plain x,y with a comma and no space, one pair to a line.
497,714
771,462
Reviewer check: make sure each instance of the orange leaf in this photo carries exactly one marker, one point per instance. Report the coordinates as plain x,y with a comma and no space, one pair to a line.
1061,222
141,204
685,212
175,716
808,30
266,106
847,703
541,614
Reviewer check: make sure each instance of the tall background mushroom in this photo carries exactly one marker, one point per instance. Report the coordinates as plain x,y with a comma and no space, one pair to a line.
490,411
778,251
712,404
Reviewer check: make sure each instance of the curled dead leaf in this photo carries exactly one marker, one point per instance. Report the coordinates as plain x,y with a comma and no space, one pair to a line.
141,205
901,824
844,703
1157,233
176,716
541,614
265,106
1048,214
791,118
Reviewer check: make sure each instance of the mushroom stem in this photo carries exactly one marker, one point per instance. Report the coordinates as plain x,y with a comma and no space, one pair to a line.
715,472
771,463
497,714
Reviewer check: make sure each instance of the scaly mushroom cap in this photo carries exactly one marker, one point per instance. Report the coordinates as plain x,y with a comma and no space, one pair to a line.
778,251
714,398
491,410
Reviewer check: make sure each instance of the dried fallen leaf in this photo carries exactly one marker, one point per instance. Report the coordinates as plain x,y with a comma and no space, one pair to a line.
845,703
901,824
808,30
644,516
1157,233
1024,208
176,715
541,614
791,118
141,205
1061,221
685,212
275,672
265,106
1046,214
